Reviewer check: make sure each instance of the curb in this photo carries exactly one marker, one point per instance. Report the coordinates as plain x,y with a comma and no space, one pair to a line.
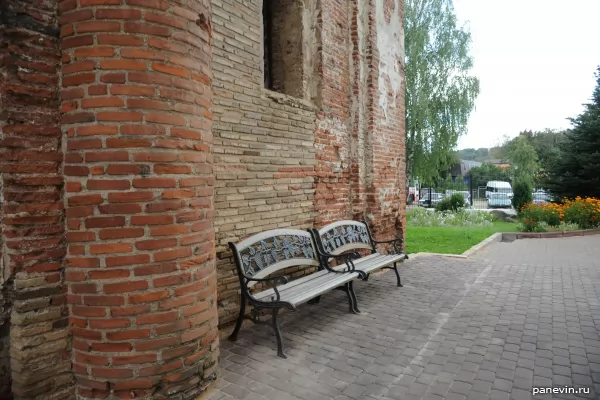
510,236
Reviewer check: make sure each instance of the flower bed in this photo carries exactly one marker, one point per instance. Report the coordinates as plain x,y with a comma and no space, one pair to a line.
423,217
570,215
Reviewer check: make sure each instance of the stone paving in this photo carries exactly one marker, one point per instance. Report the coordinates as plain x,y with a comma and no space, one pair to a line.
514,316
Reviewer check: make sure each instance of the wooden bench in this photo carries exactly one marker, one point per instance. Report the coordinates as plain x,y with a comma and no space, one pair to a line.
267,253
343,236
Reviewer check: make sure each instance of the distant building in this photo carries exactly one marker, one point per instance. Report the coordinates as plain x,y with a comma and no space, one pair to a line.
462,168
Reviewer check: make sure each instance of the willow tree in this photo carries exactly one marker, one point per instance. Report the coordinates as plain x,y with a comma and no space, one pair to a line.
440,90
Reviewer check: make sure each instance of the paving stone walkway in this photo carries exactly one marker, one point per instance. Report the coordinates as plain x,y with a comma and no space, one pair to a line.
514,316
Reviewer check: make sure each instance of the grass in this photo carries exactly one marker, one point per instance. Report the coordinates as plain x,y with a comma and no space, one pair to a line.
450,240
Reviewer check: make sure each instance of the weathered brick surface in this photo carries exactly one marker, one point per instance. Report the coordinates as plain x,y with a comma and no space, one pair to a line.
334,150
116,198
264,144
136,110
32,209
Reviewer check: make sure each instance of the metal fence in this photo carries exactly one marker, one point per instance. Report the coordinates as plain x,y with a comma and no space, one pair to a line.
492,195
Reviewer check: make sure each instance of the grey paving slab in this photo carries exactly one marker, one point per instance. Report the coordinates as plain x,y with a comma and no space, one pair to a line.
511,317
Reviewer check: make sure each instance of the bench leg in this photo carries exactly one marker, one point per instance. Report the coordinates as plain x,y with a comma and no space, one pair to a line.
316,300
278,334
366,279
398,281
355,309
240,320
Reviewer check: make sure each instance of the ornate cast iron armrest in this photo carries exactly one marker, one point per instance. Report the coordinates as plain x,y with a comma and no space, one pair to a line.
282,279
396,242
347,259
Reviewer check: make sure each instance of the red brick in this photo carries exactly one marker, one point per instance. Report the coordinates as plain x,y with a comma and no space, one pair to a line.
120,14
119,116
78,67
165,206
99,102
128,334
91,359
120,40
168,119
132,90
109,274
83,200
113,323
104,222
112,347
106,155
157,4
96,130
157,318
124,169
123,64
112,373
74,16
110,248
154,183
133,197
81,237
160,369
148,297
125,287
145,28
79,79
97,90
120,209
98,26
104,300
127,260
130,311
134,359
121,233
177,302
96,184
101,51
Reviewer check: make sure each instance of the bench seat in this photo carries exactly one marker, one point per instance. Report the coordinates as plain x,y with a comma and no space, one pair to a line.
302,290
373,262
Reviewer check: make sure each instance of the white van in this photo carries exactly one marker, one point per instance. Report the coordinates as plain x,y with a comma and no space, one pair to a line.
498,187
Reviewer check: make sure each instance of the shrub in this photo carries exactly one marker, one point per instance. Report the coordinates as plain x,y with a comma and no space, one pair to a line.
452,203
522,194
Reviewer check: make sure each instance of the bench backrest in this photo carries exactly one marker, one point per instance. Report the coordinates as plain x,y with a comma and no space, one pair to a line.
342,236
267,252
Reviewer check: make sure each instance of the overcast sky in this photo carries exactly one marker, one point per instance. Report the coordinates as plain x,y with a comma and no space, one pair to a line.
535,60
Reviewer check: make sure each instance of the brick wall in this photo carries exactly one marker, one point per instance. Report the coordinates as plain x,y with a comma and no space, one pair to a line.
32,212
136,138
136,104
331,151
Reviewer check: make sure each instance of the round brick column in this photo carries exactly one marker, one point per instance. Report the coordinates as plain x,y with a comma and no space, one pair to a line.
136,113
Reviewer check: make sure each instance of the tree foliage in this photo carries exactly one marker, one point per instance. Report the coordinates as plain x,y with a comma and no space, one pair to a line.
523,159
440,91
577,172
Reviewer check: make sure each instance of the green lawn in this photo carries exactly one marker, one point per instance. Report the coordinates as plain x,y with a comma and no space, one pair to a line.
450,240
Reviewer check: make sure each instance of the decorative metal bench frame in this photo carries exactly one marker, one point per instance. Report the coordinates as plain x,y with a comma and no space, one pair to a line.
269,252
340,237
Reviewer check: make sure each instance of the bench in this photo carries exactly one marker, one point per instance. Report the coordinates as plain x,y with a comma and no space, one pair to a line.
343,236
270,252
